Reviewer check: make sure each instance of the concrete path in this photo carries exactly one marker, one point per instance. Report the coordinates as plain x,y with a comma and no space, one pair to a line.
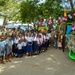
53,62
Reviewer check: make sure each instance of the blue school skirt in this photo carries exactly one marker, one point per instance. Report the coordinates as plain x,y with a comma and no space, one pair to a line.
46,43
19,51
34,46
14,49
24,49
43,44
39,46
29,48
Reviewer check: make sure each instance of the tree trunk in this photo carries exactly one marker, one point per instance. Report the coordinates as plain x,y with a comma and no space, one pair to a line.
5,20
72,6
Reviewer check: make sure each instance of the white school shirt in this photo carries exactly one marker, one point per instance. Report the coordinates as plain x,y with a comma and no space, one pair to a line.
40,34
36,34
45,37
41,40
19,46
49,35
29,39
34,38
23,43
38,40
16,40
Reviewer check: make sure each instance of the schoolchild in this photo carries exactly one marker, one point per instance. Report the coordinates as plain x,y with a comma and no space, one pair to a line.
2,49
46,41
43,43
38,44
29,44
19,49
34,43
24,46
9,49
15,45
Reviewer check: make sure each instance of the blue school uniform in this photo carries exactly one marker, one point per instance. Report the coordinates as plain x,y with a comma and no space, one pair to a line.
43,44
14,47
24,47
2,47
19,46
46,41
34,44
29,47
1,54
6,46
8,43
38,43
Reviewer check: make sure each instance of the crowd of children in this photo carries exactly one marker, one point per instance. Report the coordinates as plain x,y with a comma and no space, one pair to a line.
22,43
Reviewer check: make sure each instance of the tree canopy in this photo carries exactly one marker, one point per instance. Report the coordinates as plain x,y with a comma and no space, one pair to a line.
29,10
51,8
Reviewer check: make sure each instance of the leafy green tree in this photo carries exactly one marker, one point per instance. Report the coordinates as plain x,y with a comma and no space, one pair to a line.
29,10
51,8
9,10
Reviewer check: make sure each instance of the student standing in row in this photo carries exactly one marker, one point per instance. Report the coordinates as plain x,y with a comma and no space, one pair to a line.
29,44
38,44
24,46
9,49
2,49
16,40
19,49
34,43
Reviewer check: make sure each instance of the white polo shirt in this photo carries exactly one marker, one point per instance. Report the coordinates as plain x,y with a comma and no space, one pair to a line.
19,46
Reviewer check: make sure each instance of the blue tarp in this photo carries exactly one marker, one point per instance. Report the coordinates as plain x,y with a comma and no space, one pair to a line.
16,26
11,26
23,28
69,28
